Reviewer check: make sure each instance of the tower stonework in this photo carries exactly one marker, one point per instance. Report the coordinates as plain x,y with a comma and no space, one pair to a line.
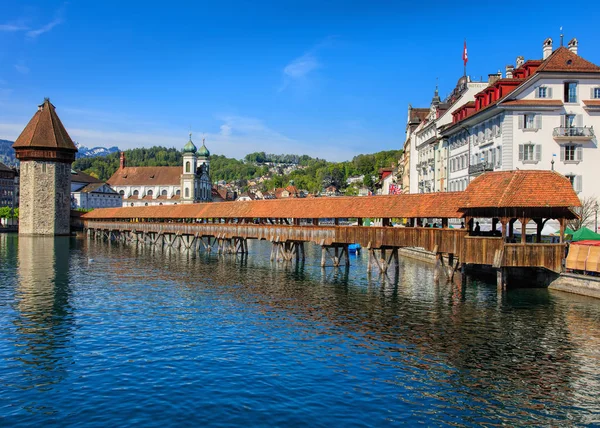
46,153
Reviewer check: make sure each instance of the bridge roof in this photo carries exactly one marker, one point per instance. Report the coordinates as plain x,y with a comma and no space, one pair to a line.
435,205
521,189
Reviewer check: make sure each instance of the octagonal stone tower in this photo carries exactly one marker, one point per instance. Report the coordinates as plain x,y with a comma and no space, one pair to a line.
46,153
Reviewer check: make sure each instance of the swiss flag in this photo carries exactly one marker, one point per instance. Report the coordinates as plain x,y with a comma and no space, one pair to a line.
465,56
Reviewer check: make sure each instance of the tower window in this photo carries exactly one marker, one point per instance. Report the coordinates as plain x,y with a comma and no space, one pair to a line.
187,166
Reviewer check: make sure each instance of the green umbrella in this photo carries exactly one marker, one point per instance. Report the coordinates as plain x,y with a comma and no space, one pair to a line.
585,234
569,231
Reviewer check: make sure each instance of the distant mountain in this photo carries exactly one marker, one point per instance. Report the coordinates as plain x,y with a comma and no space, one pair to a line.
85,152
7,154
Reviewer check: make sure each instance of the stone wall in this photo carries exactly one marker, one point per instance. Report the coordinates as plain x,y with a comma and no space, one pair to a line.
45,200
579,284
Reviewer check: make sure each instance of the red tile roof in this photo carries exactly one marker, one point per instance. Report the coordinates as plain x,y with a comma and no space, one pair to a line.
562,59
45,131
538,102
438,205
522,189
82,177
146,175
592,103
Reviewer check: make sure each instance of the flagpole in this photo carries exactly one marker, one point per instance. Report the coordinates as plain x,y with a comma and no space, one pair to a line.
465,62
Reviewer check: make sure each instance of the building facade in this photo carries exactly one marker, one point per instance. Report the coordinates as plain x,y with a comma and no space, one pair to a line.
8,191
542,115
166,185
46,153
88,192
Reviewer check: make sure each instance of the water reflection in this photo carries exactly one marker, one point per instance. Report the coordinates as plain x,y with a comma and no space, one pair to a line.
44,320
240,338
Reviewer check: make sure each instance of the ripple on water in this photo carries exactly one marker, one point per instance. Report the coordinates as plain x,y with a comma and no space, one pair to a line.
140,336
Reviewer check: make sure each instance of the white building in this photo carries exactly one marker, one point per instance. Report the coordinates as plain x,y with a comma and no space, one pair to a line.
88,192
542,115
166,185
429,152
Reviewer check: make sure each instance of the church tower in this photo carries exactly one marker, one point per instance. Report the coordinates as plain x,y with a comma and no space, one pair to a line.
204,182
188,178
46,153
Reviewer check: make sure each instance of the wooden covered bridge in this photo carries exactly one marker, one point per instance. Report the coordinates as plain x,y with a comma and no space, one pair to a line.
503,197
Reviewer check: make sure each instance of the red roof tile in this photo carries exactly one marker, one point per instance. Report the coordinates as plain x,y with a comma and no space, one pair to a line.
562,59
522,189
538,102
146,175
45,131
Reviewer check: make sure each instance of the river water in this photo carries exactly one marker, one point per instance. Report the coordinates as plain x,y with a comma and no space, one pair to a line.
98,334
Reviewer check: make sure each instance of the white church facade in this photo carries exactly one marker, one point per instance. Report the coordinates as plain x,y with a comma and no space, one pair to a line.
166,185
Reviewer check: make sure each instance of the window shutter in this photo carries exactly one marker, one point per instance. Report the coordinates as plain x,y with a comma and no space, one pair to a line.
521,121
538,121
578,184
579,120
563,120
537,92
538,152
562,153
521,150
592,93
549,93
579,153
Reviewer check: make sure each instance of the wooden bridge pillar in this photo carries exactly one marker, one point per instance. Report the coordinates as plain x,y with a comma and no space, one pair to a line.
340,252
383,262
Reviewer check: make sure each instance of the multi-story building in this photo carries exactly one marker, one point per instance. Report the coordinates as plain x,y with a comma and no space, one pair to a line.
8,190
542,115
415,117
166,185
430,164
88,192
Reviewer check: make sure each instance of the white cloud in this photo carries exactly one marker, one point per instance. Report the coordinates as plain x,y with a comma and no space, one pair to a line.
13,27
49,26
301,66
22,68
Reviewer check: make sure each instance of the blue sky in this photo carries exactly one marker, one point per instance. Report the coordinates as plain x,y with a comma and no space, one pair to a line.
325,78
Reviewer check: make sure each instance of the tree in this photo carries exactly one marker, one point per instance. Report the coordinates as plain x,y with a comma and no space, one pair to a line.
587,213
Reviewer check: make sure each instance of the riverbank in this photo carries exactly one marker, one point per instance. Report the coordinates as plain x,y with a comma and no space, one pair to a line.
584,285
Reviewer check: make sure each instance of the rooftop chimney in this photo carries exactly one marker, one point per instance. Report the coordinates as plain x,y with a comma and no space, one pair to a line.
122,160
520,61
547,48
509,71
493,78
573,45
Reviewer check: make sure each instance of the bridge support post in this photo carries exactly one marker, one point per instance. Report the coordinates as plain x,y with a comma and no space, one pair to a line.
340,252
501,279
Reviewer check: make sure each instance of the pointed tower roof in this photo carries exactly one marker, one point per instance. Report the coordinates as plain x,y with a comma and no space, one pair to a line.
203,151
189,147
45,137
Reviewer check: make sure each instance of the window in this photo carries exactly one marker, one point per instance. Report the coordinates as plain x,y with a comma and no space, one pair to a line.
570,92
136,193
575,181
187,192
187,167
571,153
570,120
122,192
596,93
530,152
178,193
543,92
164,193
149,193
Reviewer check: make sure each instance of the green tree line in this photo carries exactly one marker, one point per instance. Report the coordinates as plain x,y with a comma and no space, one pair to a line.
314,174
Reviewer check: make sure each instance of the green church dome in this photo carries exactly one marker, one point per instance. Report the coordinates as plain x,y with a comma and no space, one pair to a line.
189,147
203,151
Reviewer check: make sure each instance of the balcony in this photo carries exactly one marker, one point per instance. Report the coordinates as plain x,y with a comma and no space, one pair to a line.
480,168
575,133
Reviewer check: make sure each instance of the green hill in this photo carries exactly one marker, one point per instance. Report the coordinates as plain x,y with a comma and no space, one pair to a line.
311,174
